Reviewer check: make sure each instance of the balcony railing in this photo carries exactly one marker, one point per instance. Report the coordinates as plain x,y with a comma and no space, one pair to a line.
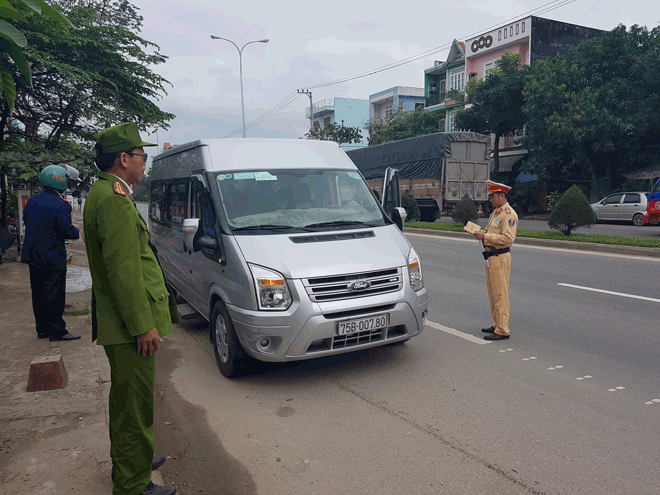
319,106
435,99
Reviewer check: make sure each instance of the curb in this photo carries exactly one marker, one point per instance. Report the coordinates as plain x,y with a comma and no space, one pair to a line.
551,243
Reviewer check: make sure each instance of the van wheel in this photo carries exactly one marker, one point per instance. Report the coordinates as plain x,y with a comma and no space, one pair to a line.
228,351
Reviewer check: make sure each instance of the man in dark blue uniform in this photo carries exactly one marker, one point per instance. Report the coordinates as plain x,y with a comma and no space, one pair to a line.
47,224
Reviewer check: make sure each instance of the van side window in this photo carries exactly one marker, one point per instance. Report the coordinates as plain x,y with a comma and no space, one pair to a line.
157,205
178,204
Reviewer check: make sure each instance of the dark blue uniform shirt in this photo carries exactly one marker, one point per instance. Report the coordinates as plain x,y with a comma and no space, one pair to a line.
47,220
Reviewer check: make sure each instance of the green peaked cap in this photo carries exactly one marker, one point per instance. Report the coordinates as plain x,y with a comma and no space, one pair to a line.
119,138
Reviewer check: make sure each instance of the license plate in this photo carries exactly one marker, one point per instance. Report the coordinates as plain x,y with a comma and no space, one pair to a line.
356,325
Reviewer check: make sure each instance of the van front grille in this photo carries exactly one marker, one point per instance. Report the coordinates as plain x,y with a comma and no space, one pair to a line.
340,341
340,287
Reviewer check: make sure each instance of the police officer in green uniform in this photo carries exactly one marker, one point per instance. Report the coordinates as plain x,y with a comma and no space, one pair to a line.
130,305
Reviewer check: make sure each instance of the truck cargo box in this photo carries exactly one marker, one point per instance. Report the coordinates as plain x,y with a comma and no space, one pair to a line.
438,169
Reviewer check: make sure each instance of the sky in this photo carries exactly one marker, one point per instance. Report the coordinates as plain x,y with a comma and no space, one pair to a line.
315,43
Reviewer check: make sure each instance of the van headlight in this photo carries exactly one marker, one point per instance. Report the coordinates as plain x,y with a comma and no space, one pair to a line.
272,291
415,271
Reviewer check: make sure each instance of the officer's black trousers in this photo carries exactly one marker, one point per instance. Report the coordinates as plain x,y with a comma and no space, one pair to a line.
48,299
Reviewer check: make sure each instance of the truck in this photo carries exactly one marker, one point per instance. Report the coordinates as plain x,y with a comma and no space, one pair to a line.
438,169
653,205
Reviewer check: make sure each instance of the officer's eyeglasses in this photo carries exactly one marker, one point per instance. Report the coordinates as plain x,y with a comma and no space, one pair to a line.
143,155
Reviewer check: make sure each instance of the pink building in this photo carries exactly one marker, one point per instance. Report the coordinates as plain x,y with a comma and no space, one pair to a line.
534,38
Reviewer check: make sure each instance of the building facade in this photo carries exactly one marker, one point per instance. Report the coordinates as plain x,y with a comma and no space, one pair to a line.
348,112
533,38
397,99
444,84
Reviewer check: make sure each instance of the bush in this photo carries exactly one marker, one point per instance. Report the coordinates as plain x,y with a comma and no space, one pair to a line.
465,211
410,205
571,212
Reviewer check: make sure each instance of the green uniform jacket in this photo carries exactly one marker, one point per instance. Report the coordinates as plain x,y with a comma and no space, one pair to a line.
129,292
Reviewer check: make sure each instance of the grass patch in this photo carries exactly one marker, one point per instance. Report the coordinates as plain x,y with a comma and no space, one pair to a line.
618,240
77,313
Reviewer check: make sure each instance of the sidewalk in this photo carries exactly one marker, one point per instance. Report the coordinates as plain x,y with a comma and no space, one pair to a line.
52,442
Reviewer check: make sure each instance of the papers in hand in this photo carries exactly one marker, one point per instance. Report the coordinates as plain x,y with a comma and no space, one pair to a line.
472,228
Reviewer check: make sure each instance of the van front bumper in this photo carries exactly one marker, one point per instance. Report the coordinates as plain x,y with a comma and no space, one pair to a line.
307,332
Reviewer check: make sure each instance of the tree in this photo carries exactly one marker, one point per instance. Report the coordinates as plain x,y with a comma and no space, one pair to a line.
402,125
141,189
571,212
494,105
83,80
73,93
592,114
12,41
465,211
337,133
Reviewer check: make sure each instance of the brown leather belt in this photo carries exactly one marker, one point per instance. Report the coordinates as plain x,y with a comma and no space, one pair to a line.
495,252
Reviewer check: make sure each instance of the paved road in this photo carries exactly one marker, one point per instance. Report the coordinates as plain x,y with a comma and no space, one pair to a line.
570,404
628,230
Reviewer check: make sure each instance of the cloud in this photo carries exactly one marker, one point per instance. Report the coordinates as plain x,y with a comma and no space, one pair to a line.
392,49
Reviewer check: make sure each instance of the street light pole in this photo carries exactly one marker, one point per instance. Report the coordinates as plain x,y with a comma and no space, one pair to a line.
240,64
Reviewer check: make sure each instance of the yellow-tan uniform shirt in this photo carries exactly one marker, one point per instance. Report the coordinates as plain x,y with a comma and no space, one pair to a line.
502,227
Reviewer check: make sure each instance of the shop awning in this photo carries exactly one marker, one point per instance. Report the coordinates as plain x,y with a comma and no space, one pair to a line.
508,161
650,172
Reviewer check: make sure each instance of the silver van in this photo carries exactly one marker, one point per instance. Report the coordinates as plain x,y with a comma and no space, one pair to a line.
283,247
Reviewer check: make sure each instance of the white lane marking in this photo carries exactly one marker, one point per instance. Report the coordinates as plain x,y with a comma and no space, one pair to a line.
584,377
556,367
505,350
462,335
546,248
615,389
652,401
527,359
632,296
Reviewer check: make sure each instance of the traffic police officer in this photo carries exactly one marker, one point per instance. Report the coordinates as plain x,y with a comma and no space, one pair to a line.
48,224
497,239
130,311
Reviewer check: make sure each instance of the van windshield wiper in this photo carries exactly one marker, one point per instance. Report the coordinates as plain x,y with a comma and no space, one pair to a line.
267,226
339,223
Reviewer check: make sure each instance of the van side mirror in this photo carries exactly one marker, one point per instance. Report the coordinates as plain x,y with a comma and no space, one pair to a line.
399,216
189,230
193,240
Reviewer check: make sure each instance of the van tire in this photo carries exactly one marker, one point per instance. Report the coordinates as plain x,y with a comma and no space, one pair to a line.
229,353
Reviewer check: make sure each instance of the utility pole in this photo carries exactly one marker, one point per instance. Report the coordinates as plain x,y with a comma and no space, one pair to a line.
311,108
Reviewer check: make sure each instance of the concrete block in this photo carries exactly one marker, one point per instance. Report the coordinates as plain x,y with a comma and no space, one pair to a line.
47,373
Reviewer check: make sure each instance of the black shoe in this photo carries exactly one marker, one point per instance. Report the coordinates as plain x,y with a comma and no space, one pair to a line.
495,336
157,462
42,335
488,330
66,336
152,489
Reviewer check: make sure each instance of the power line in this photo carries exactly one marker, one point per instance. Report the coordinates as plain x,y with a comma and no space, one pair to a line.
547,7
280,106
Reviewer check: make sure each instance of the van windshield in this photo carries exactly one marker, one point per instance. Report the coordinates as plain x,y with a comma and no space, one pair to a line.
304,200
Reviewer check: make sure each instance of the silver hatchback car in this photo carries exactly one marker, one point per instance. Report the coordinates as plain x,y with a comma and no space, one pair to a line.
622,207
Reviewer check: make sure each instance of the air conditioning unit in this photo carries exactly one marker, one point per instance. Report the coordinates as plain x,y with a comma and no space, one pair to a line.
433,87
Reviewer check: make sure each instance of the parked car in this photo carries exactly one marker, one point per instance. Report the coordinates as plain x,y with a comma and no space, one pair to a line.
622,207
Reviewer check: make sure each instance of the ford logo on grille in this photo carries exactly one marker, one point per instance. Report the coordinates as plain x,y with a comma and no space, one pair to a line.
361,285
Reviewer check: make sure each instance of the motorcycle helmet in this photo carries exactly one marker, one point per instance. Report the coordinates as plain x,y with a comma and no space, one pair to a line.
55,176
58,176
